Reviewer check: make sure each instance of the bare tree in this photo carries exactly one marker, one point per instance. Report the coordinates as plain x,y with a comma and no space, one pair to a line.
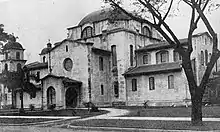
155,13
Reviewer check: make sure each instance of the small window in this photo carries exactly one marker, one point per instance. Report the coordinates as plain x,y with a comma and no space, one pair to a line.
18,55
87,32
162,57
146,31
131,55
101,63
202,58
170,82
176,56
114,56
67,48
146,59
134,84
18,67
206,57
151,83
6,56
44,59
116,89
38,75
102,90
6,67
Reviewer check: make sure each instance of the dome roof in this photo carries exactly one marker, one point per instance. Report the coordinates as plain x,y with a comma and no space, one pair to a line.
12,45
45,51
104,14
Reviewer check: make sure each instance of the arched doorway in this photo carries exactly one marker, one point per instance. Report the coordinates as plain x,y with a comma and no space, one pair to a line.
71,97
51,96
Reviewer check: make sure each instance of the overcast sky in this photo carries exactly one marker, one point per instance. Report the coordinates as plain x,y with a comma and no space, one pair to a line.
36,21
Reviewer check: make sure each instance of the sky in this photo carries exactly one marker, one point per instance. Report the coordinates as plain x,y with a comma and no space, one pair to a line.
37,21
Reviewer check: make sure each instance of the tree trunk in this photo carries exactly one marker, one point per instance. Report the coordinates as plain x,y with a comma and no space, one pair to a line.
196,111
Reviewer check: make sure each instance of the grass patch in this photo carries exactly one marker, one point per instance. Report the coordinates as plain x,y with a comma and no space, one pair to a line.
168,125
210,111
22,120
65,112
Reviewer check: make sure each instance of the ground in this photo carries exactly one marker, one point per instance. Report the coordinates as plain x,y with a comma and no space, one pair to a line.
133,119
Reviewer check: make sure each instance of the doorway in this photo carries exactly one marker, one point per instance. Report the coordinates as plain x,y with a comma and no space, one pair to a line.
71,98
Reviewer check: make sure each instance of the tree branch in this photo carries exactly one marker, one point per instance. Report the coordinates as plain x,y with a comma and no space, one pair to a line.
171,3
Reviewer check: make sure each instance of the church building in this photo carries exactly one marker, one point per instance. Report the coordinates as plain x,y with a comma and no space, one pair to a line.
112,60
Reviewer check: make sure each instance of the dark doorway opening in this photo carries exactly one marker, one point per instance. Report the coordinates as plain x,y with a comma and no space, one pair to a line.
71,98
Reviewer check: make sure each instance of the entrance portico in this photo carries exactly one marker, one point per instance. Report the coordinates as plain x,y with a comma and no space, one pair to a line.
60,91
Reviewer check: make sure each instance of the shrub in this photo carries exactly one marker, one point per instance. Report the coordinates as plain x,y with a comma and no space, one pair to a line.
51,106
32,107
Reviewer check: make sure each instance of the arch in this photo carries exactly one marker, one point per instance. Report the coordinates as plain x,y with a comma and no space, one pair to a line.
71,97
19,67
146,31
51,96
162,57
6,67
87,32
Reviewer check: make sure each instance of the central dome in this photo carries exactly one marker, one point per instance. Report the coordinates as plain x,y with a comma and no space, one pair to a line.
104,14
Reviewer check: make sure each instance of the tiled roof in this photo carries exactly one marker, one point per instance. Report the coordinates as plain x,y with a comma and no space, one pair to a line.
65,79
36,65
165,44
157,68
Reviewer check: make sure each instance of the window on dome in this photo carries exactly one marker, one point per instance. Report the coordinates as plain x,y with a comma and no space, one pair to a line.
18,55
87,32
146,31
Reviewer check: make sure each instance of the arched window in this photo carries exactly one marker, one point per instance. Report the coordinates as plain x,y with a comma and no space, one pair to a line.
51,96
18,67
18,55
131,55
146,59
202,58
206,57
6,67
87,32
146,31
162,57
44,59
176,56
67,49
